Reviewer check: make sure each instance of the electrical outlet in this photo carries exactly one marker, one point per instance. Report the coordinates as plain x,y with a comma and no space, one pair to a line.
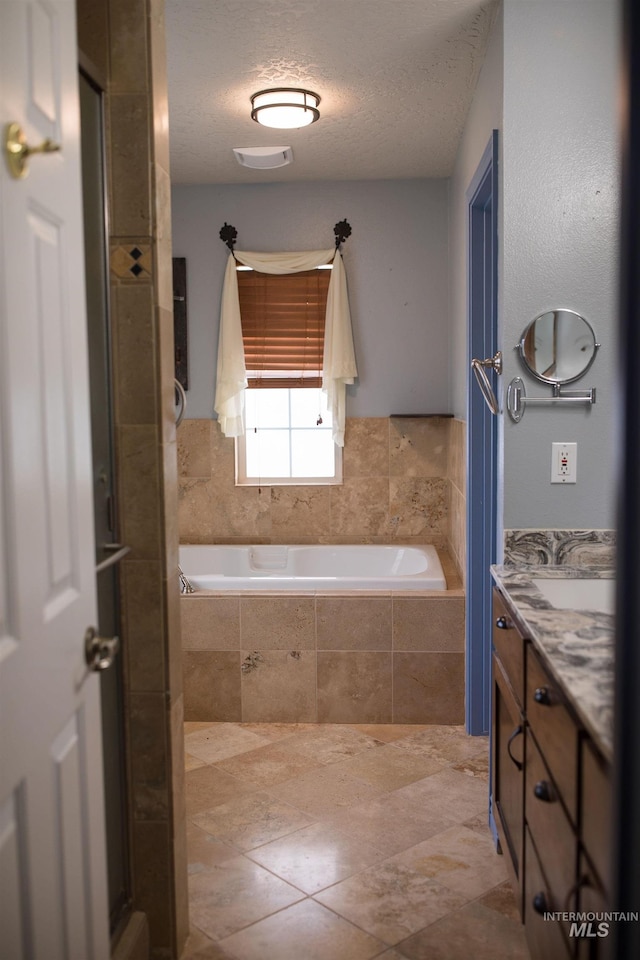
564,458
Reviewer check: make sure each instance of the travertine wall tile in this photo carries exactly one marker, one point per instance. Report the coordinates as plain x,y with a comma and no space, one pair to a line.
418,506
211,685
194,448
353,623
457,470
241,512
428,688
418,446
130,164
395,489
93,32
458,528
149,770
354,687
223,456
129,54
457,513
210,623
133,337
142,610
153,880
300,514
281,687
428,624
366,447
195,510
178,789
277,623
139,476
360,507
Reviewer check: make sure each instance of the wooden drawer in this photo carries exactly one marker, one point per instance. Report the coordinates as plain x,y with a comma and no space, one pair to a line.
592,940
555,731
509,648
507,768
552,832
595,807
545,938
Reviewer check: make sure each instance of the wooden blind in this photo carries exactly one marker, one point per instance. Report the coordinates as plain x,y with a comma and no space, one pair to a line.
283,326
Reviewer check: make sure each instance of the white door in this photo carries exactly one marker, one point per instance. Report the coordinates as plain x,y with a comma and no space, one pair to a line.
53,902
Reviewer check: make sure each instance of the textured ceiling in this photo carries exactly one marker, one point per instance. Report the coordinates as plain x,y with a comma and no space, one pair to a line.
395,77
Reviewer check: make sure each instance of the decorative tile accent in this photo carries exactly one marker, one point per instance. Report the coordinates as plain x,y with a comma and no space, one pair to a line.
576,548
132,262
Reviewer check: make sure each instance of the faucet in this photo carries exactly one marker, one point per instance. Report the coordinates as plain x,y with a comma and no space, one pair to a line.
185,584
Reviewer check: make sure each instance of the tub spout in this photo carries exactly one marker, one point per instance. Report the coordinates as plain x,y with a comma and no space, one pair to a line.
185,584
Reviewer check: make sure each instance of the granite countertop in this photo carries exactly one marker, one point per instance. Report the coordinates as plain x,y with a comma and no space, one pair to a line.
576,645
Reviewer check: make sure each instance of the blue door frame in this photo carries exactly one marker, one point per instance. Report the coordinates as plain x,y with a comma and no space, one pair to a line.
482,436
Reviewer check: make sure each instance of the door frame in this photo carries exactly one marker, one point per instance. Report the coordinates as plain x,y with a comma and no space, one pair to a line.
482,436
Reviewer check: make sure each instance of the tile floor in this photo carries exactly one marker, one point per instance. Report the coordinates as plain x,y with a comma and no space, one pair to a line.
343,842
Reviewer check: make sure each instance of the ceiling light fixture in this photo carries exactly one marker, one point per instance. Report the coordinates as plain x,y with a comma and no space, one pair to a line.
285,107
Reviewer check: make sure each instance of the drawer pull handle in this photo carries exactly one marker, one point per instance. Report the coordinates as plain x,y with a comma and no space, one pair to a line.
541,695
540,903
516,733
544,791
503,623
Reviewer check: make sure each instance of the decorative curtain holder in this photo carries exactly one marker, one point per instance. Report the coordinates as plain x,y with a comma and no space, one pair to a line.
339,364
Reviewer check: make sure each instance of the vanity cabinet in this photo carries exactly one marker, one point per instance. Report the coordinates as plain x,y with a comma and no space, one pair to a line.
551,796
551,785
508,752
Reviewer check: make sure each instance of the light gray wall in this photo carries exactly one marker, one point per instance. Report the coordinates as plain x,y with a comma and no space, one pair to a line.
397,272
548,86
559,243
485,115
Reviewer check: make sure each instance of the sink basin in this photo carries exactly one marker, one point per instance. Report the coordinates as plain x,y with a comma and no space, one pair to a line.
579,594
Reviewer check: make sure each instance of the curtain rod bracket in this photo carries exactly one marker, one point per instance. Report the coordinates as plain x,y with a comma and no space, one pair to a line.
342,230
228,235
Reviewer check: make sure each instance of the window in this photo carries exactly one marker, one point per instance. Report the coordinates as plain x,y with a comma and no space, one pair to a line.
283,317
288,429
284,442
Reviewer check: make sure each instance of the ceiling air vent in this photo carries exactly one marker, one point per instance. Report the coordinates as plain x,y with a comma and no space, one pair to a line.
263,158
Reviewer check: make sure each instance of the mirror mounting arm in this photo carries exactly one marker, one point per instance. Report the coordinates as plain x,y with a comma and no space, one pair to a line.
517,397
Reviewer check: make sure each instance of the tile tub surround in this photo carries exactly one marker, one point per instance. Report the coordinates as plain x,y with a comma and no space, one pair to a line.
403,483
343,841
327,658
577,645
578,548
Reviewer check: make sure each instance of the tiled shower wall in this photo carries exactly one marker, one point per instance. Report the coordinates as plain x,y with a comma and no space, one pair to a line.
403,483
122,45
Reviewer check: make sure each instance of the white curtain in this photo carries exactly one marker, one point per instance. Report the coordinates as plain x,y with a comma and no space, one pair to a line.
339,363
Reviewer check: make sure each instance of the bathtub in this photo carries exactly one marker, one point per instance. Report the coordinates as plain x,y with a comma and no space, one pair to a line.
312,567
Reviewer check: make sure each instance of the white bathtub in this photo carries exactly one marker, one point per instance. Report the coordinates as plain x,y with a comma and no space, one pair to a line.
311,567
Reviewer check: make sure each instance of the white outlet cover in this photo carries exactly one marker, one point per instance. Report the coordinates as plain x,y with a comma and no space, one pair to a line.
564,472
